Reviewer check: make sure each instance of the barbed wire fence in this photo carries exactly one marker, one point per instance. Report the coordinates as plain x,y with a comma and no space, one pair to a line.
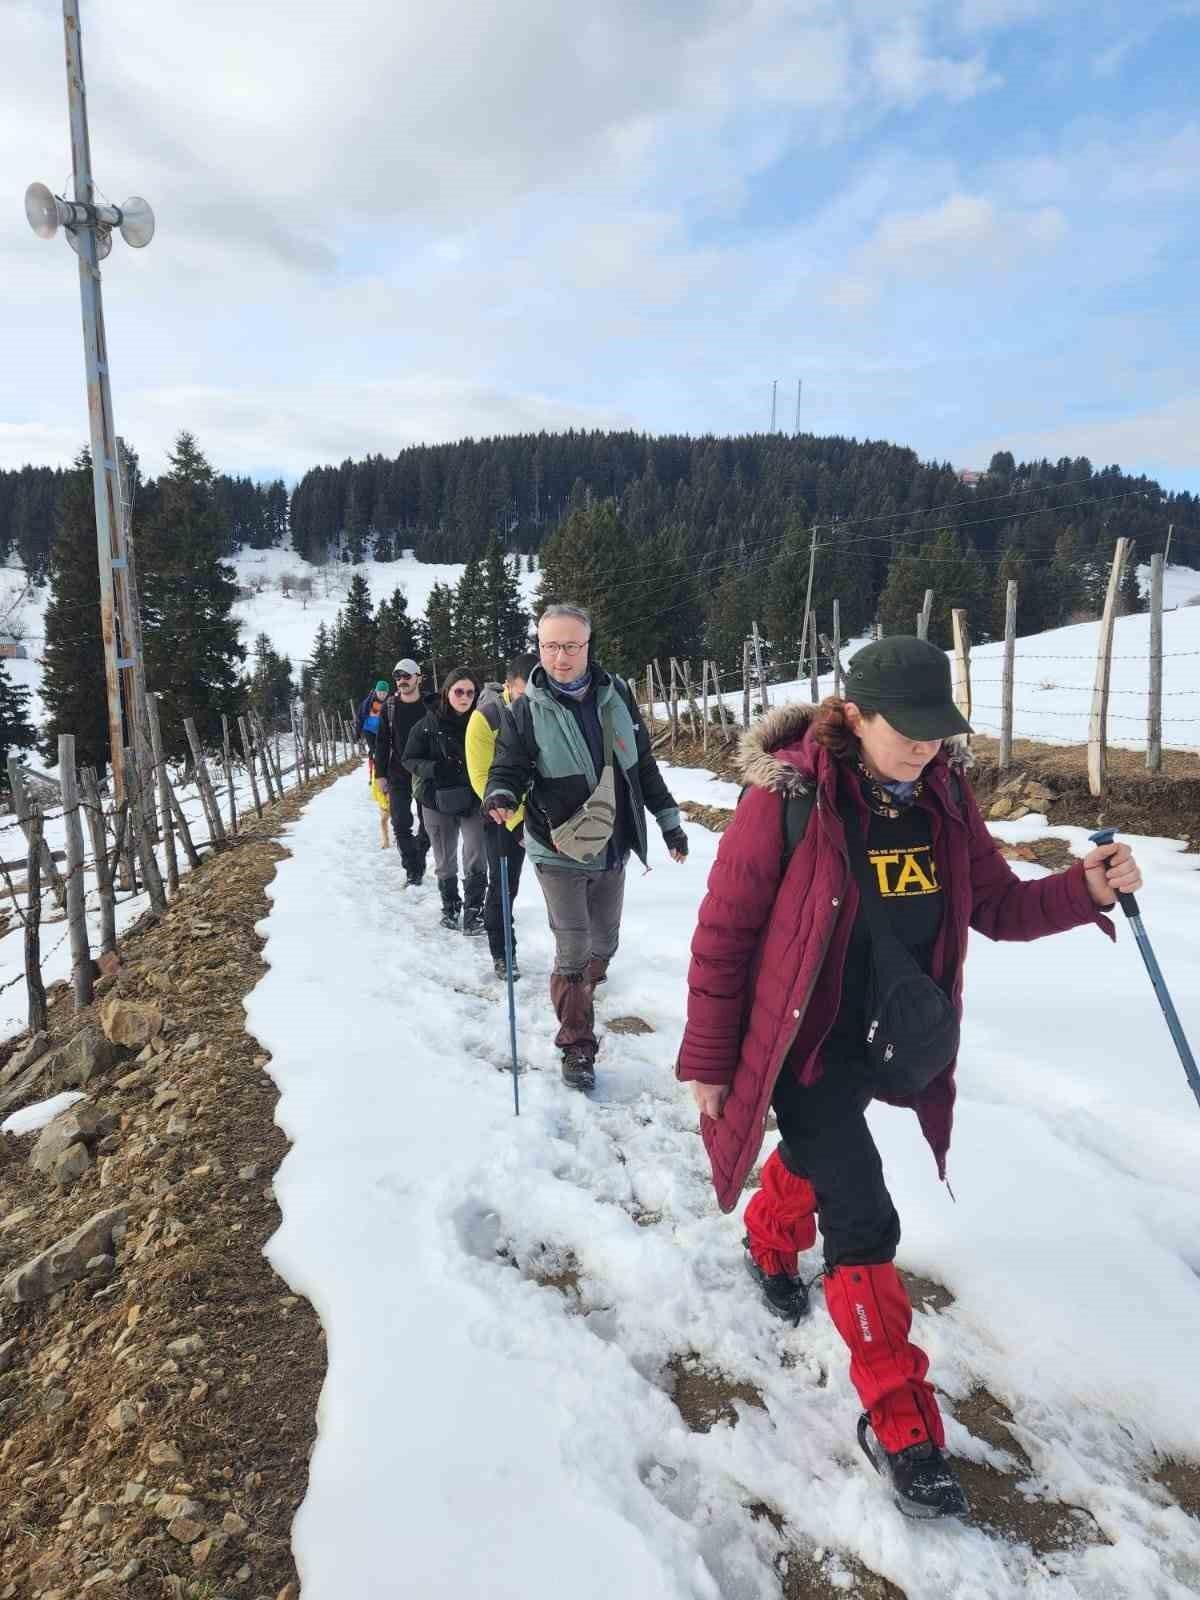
122,853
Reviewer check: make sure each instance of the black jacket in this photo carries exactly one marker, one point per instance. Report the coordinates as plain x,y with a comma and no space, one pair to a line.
436,755
396,721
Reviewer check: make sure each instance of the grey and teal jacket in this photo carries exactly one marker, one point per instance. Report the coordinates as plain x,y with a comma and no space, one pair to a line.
547,755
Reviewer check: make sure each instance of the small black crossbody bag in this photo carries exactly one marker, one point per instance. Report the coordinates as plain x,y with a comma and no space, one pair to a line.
912,1026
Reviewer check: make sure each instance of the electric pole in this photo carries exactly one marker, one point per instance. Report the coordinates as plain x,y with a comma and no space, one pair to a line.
88,228
774,390
799,387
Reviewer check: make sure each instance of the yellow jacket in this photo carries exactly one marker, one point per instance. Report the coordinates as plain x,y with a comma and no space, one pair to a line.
482,732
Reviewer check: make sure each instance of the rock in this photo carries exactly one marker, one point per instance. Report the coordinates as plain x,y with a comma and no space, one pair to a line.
77,1062
178,1127
105,984
248,1173
130,1022
102,1266
21,1060
204,1548
78,1125
185,1529
233,1525
165,1455
129,1572
290,1591
133,1493
190,1345
122,1416
170,1506
15,1218
65,1262
8,1354
100,1516
71,1165
54,1400
166,1096
134,1080
191,1044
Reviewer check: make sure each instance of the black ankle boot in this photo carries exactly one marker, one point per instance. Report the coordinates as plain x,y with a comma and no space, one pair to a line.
923,1481
784,1296
451,904
474,889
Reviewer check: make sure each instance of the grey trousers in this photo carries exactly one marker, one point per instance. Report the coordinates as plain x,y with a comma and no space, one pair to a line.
585,915
444,833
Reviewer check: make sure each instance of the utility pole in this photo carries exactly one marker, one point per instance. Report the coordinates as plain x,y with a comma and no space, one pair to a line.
774,392
799,388
812,567
88,228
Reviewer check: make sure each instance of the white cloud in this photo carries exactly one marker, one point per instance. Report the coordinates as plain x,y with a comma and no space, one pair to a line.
1163,438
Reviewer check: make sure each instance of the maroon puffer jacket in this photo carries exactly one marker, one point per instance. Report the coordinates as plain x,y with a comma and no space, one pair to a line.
769,950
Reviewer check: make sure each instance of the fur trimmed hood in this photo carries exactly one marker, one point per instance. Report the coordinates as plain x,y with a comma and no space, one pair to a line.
764,750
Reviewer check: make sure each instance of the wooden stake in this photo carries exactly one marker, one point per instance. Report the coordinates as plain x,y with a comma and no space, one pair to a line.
1008,674
704,702
81,955
764,692
1154,727
227,761
1098,722
814,684
722,710
837,650
164,792
962,662
104,884
745,683
143,841
925,614
23,806
33,919
248,753
185,833
208,798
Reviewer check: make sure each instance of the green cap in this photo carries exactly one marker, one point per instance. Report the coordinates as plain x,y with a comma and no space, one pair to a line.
383,687
908,680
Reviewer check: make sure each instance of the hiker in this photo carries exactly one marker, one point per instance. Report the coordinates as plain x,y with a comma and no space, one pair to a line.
366,721
575,749
403,709
498,839
792,1004
437,758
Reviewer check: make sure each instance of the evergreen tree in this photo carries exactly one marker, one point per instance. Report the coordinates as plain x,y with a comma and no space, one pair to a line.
269,686
312,672
73,682
956,576
16,730
495,612
353,655
190,636
439,642
727,618
396,632
591,560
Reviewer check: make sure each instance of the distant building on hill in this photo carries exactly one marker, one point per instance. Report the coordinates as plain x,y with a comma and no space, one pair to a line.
11,652
969,477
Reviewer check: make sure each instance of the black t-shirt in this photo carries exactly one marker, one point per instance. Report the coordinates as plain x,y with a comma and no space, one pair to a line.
902,875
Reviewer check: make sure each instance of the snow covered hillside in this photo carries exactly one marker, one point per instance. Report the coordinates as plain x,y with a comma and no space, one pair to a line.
505,1300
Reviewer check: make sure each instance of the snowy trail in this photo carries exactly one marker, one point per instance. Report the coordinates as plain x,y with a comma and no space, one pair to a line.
502,1297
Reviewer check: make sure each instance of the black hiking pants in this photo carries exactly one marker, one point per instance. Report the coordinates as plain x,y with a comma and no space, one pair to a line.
493,915
825,1138
400,791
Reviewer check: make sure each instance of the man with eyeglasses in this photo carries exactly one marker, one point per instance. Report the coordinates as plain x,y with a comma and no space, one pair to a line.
551,752
402,710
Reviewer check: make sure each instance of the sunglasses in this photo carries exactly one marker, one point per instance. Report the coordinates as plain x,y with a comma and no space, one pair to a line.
462,693
405,677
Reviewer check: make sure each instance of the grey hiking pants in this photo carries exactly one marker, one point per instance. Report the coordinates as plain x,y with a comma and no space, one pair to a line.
585,916
444,833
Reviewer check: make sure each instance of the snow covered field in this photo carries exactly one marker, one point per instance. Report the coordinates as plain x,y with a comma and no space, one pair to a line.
482,1433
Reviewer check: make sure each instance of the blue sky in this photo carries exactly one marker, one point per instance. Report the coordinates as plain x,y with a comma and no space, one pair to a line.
969,225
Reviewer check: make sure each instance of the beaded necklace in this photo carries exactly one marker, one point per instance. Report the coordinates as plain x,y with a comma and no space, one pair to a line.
880,798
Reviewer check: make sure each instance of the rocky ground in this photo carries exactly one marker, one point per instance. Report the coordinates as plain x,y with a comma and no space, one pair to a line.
158,1382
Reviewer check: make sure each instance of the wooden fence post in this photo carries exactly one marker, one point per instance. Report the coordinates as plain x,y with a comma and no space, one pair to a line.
704,703
227,762
814,674
81,955
23,806
1008,674
764,693
722,712
90,787
181,825
164,793
837,649
264,760
1154,727
248,753
208,798
745,683
962,662
143,838
1098,722
33,920
924,614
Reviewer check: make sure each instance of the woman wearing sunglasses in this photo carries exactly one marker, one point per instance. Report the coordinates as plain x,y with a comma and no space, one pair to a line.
436,757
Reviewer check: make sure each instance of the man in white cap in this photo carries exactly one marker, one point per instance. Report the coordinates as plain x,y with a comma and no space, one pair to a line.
402,710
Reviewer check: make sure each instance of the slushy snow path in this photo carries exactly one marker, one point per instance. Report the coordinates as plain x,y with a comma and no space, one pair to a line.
482,1434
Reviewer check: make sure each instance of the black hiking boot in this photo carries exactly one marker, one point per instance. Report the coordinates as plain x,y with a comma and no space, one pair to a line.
578,1068
500,967
474,889
923,1481
451,904
784,1296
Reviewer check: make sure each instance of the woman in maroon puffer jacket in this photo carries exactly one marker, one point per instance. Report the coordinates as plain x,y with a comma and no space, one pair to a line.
778,984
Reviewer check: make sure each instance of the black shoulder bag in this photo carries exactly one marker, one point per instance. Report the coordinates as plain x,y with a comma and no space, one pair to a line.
912,1026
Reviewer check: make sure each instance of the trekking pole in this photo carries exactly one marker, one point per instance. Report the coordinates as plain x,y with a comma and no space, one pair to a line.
506,913
1129,906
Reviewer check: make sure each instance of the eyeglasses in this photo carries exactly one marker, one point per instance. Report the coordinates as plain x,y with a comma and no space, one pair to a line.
571,650
464,694
405,677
